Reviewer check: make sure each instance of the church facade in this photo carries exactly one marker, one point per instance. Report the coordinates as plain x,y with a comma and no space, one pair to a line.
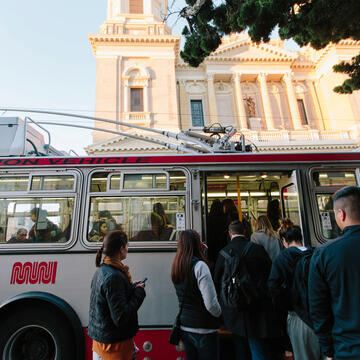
280,100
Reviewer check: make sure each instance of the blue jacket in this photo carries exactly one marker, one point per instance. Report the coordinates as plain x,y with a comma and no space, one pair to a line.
334,295
114,303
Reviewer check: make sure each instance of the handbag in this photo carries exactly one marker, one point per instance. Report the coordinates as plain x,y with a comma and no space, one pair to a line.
176,332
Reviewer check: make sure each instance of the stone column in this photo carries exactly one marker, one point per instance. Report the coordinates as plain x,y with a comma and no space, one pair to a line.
213,115
266,101
126,97
315,104
146,96
183,107
239,102
293,106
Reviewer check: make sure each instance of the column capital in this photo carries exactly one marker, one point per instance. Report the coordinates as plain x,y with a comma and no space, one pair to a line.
210,77
182,82
263,75
288,76
236,76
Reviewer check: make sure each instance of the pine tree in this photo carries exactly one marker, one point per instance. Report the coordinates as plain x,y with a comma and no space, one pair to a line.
314,22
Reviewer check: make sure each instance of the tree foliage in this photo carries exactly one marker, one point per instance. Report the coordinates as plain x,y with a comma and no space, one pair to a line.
314,22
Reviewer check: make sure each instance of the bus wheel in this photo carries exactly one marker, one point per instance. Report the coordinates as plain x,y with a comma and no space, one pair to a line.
36,334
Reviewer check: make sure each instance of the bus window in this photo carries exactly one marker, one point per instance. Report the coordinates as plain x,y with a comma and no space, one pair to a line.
177,181
325,184
145,181
290,198
143,218
52,182
14,183
98,182
334,178
44,220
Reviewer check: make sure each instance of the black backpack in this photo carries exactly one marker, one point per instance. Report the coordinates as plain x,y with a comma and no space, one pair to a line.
237,287
300,291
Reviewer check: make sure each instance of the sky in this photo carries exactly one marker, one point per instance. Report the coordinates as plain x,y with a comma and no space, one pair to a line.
47,63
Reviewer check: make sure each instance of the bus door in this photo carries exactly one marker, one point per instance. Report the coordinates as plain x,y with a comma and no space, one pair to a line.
290,202
245,195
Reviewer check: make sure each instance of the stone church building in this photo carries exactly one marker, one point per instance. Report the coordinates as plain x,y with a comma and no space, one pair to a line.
280,100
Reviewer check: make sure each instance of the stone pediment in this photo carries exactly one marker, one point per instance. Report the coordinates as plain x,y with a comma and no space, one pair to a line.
239,47
127,145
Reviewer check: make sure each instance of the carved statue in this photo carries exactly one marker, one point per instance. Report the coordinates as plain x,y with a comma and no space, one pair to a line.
250,106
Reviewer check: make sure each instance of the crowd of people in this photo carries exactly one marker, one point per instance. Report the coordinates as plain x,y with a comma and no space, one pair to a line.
272,292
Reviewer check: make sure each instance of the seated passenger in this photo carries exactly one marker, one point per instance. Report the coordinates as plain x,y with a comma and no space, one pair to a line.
160,223
98,231
20,237
110,221
43,229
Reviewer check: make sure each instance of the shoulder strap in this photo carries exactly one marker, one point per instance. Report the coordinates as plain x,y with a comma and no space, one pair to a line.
246,249
225,254
243,253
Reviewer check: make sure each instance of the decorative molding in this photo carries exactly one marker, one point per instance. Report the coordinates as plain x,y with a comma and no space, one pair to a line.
194,88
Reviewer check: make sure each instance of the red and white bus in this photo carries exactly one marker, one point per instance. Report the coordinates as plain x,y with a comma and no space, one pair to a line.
52,216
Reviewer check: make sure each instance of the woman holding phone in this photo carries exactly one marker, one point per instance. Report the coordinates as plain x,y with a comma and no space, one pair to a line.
114,302
199,319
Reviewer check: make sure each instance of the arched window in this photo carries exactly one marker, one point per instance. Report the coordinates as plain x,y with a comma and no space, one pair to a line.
136,93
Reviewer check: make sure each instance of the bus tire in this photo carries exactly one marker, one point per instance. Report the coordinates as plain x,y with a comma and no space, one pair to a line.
36,333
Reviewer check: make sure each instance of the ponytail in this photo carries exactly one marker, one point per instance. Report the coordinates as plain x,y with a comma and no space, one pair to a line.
98,256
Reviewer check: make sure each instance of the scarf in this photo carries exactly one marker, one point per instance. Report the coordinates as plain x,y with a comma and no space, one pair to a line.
116,263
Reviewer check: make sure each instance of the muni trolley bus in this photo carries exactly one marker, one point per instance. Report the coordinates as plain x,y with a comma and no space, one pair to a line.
45,283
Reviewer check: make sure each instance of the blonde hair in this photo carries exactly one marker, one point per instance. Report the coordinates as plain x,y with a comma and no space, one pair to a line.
263,224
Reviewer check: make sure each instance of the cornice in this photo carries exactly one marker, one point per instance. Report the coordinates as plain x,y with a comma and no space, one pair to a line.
105,39
248,59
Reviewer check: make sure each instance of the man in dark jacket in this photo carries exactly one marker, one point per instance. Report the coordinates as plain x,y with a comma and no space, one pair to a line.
334,283
252,328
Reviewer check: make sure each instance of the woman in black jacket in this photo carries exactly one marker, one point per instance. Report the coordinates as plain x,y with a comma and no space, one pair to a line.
114,302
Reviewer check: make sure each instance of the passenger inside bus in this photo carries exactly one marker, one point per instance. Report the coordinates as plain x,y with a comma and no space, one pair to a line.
160,223
110,220
43,229
20,237
99,230
274,213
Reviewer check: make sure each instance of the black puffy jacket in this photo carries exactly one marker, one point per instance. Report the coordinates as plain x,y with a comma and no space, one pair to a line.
114,303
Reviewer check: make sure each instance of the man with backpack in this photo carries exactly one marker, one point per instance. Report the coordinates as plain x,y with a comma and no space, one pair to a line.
334,282
288,286
241,273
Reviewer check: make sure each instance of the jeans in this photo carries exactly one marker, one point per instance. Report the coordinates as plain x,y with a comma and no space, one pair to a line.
251,348
201,346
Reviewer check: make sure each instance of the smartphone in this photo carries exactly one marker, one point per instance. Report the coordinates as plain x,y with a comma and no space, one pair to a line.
143,281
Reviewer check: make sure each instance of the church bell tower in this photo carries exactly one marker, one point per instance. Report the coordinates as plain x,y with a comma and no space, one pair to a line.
135,67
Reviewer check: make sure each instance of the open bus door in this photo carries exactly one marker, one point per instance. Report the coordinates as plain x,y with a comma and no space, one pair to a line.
291,199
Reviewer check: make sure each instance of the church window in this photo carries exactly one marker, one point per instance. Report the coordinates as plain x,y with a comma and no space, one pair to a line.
197,114
136,7
137,99
302,111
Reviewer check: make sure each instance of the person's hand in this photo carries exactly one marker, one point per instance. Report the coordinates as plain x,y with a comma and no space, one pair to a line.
329,358
140,284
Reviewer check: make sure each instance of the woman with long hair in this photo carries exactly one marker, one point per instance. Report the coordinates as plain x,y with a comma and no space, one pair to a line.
98,231
265,235
199,319
114,302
